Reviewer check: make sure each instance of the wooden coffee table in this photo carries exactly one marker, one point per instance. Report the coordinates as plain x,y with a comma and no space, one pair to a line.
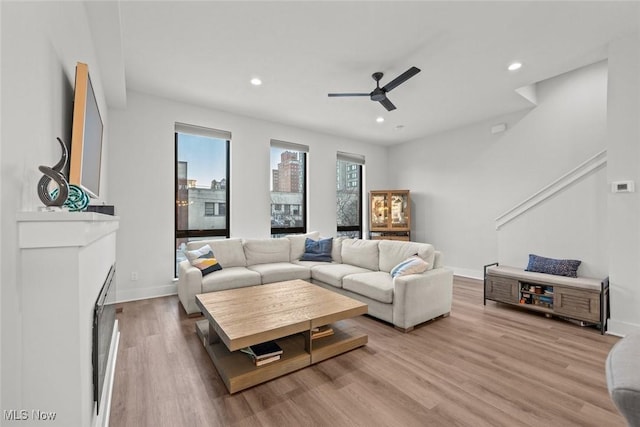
285,312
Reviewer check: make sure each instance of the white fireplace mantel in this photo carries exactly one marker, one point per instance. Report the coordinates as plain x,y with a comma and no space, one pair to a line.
63,229
63,263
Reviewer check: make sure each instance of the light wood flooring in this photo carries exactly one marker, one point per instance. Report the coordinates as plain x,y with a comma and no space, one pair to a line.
490,365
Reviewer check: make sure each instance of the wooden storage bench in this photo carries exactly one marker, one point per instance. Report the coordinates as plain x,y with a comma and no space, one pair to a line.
579,298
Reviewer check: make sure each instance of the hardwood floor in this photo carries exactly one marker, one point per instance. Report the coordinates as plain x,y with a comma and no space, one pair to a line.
490,365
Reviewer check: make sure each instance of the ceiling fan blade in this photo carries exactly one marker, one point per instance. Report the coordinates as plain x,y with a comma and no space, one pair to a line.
401,79
348,94
387,104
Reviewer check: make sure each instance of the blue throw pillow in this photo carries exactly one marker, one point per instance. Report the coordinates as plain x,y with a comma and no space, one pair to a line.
317,250
558,267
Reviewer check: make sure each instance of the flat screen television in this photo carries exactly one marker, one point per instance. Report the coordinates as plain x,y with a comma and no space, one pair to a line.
86,135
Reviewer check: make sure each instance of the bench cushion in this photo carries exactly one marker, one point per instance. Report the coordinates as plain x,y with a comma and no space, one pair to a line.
520,274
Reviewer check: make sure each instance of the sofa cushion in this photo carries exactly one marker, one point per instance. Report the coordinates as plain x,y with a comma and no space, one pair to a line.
393,252
281,271
361,253
332,274
230,278
309,264
228,252
297,242
377,285
412,265
336,249
438,260
317,250
265,251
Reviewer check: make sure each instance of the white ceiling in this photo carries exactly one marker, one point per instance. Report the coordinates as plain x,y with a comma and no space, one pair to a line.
205,52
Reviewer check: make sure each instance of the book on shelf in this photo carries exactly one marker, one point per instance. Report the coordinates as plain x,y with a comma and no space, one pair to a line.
263,350
260,360
267,360
321,331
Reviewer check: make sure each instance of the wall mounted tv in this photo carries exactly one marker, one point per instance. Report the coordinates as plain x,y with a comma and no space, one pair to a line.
86,135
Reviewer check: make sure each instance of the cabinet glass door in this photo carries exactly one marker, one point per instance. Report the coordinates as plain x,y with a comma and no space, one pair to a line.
399,211
379,210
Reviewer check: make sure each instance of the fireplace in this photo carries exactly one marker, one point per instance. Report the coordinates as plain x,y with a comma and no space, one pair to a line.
104,317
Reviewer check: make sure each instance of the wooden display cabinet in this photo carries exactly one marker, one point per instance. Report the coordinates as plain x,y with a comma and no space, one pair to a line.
390,215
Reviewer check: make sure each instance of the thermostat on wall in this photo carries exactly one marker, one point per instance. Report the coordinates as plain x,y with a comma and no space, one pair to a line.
623,187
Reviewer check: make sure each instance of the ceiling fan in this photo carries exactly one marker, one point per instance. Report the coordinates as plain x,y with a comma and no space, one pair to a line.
380,93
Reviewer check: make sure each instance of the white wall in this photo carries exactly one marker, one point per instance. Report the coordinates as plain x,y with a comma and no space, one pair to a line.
463,179
570,224
41,43
624,164
141,182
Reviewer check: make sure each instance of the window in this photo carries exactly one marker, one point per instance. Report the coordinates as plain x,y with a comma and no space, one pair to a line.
202,184
349,194
288,188
209,209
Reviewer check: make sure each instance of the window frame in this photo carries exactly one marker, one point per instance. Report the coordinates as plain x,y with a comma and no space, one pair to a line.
356,164
302,151
201,233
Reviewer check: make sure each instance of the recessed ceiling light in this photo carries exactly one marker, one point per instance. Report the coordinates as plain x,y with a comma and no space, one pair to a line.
256,81
380,119
514,66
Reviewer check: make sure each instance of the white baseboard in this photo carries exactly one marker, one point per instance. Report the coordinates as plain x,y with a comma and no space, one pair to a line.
620,328
466,272
126,295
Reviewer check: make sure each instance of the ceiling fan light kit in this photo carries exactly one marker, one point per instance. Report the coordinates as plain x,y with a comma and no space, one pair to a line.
379,94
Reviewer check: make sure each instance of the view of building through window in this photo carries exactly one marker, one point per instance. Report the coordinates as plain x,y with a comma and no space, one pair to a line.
288,183
202,198
349,198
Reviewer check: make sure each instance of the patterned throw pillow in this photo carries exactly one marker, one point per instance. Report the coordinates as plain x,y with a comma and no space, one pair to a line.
411,265
317,250
203,260
558,267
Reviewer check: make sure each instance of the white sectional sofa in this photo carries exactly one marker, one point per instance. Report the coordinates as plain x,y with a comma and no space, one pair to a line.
359,268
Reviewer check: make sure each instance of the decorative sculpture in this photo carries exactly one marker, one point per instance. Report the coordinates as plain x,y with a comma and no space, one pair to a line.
59,195
78,199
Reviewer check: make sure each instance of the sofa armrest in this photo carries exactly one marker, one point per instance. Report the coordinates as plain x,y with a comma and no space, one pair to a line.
189,285
421,297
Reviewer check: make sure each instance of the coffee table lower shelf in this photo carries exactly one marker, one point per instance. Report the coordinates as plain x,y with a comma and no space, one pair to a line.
238,371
